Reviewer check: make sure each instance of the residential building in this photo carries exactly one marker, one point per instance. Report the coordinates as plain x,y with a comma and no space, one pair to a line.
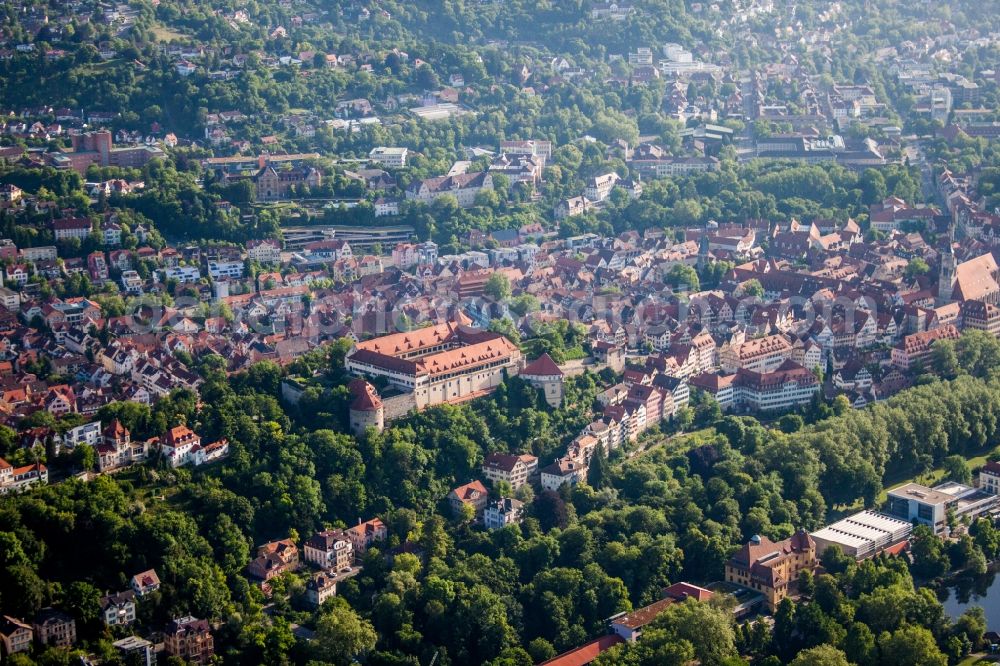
225,270
190,639
178,444
599,187
118,609
131,282
573,206
16,479
563,471
473,494
136,651
182,273
10,299
771,568
501,512
916,348
764,354
330,549
117,448
145,583
641,56
38,254
321,586
514,469
54,627
16,275
384,207
15,634
88,433
264,251
202,455
464,187
71,227
111,233
365,534
273,559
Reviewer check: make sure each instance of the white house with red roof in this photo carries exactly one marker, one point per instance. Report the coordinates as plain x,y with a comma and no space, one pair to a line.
178,445
201,455
145,583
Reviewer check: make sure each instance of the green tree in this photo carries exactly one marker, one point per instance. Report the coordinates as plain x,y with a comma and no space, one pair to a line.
912,646
972,625
85,457
682,276
957,469
704,626
929,557
753,288
916,267
944,359
598,474
342,635
498,287
821,655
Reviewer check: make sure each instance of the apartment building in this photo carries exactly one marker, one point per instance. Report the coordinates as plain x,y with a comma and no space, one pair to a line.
514,469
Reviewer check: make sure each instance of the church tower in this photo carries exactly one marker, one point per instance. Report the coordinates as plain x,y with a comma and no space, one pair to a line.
946,276
703,252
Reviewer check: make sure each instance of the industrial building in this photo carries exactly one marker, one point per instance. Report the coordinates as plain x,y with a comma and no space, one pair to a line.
863,535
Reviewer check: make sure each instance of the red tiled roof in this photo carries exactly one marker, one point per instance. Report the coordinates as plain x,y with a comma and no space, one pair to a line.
468,491
685,590
585,653
897,548
541,367
642,616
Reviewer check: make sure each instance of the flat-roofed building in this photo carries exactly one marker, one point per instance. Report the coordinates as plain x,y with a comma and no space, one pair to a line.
863,535
930,506
389,157
136,650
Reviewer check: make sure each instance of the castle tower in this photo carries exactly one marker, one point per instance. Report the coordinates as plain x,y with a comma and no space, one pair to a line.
367,410
543,373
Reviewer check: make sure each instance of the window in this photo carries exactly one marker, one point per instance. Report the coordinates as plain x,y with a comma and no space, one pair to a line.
925,512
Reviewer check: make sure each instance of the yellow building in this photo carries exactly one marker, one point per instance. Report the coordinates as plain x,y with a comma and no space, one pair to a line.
770,568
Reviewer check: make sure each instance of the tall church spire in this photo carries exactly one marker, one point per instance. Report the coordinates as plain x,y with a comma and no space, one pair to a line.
946,275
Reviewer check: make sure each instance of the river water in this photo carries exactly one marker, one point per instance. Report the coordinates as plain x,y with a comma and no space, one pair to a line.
981,591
